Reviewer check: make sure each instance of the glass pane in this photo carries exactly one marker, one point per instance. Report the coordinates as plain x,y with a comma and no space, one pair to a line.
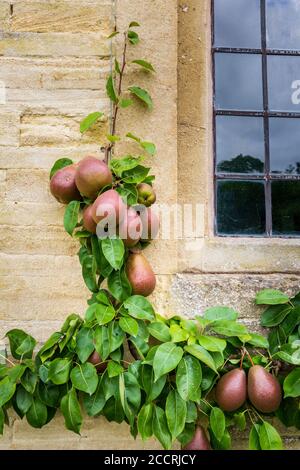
240,144
286,207
283,19
285,145
238,83
234,28
284,83
240,207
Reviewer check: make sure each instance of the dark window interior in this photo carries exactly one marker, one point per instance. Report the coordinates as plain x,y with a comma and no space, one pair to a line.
256,67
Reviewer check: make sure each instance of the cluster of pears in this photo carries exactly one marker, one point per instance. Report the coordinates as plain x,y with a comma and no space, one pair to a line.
261,387
83,182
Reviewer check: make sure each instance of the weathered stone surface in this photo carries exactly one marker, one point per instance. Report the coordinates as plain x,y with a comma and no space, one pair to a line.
9,128
4,16
192,293
61,16
54,44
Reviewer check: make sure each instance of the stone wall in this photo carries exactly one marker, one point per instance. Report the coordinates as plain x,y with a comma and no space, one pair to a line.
54,60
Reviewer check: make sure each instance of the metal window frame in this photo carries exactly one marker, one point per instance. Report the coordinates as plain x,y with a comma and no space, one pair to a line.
266,114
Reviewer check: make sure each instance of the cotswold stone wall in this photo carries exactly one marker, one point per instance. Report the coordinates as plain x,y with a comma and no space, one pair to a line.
54,59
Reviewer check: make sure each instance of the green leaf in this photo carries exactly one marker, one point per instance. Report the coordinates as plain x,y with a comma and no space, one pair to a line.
160,427
124,103
133,24
118,285
258,341
136,175
37,414
119,165
7,390
103,265
159,331
84,344
212,344
117,66
112,35
114,369
269,438
291,384
142,95
220,313
70,409
59,371
113,250
133,37
175,413
84,377
188,378
108,339
29,380
274,315
228,328
94,404
21,344
217,423
139,307
144,64
254,437
89,268
152,389
2,420
130,395
178,334
48,349
104,314
110,89
89,121
59,164
191,412
71,216
129,325
23,399
291,321
240,420
200,353
113,138
224,444
149,147
144,422
271,297
167,357
49,394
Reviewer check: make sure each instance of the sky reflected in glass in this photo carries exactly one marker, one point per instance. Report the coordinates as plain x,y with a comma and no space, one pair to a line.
234,28
284,83
238,83
285,145
283,20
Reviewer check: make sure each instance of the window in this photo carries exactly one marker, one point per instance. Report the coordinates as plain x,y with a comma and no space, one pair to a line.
256,66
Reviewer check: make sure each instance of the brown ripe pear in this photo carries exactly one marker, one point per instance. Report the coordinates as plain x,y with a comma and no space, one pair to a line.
199,441
140,274
63,186
264,390
109,206
130,228
96,360
92,175
88,221
150,223
231,390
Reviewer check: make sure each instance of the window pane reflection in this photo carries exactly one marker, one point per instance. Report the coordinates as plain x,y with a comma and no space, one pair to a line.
284,83
239,144
238,81
234,28
286,207
285,145
283,19
240,207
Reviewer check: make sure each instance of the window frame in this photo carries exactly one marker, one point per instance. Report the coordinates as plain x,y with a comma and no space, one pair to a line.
266,114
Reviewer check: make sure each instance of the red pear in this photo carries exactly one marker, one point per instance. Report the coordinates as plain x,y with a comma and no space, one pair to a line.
130,229
91,176
199,441
140,274
264,390
88,221
231,390
109,206
63,186
96,360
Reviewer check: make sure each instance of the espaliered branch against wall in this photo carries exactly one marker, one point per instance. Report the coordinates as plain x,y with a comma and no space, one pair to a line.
176,379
